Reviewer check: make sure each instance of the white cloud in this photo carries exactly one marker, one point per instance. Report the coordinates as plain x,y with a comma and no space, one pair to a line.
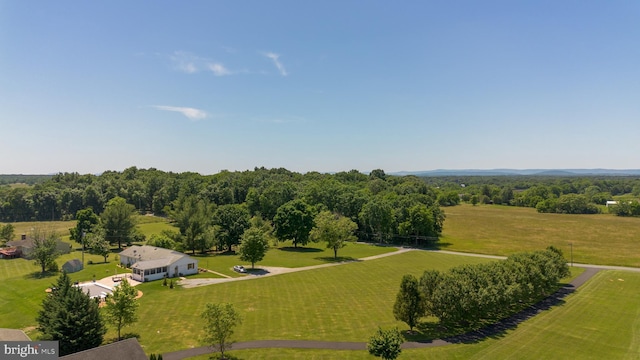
189,63
185,62
191,113
276,61
218,69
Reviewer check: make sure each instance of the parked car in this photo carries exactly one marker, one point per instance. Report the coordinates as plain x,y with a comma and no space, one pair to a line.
239,268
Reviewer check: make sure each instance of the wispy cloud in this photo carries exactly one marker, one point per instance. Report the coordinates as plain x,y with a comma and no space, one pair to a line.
185,62
218,69
190,64
276,61
191,113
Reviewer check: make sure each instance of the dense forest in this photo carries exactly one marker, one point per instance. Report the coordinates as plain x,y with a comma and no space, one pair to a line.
383,206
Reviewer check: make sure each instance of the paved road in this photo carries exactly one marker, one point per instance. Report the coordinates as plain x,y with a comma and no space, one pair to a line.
502,326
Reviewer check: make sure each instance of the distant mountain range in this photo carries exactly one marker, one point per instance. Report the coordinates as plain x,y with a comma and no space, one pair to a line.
529,172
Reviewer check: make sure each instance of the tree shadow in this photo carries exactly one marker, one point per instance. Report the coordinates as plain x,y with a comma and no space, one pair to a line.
40,275
226,357
339,259
257,271
500,328
300,249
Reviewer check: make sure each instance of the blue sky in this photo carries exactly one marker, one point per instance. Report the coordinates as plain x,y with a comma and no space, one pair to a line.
325,86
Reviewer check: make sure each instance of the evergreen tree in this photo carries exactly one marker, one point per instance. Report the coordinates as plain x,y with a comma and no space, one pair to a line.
70,317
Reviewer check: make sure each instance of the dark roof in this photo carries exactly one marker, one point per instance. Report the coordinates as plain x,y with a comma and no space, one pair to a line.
26,243
128,349
13,335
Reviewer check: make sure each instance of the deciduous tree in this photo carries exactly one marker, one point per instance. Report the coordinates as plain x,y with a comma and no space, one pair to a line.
333,229
232,220
122,306
386,344
220,321
6,233
97,243
44,248
410,305
254,246
294,221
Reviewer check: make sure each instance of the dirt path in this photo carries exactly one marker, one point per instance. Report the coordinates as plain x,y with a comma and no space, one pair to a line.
496,329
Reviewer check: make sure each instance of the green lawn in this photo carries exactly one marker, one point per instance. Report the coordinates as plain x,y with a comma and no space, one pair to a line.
348,302
503,230
600,321
285,255
341,303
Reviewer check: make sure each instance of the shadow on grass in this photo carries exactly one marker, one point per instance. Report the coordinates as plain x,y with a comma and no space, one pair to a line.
300,249
428,331
500,328
226,253
226,357
331,259
41,275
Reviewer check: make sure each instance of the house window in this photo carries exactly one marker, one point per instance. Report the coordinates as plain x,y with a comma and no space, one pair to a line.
164,269
191,266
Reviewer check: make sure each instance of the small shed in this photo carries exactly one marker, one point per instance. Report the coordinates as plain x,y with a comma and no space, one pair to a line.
72,266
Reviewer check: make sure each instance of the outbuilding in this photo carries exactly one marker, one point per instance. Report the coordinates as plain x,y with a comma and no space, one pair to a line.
72,266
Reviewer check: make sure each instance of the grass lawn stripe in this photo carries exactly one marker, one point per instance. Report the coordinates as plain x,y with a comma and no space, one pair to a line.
342,303
599,321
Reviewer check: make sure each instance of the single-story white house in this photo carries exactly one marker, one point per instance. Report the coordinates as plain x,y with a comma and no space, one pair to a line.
153,263
611,203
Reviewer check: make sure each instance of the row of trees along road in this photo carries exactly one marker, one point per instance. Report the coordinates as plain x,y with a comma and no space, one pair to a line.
469,296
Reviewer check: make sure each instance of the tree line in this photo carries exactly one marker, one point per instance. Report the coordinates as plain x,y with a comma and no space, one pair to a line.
384,208
469,296
547,194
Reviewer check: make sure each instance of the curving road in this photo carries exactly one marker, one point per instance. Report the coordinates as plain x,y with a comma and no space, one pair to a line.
502,326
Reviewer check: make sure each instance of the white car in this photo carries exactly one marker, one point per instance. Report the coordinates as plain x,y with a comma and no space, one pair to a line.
239,268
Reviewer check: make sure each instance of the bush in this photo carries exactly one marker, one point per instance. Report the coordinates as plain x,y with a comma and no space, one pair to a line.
386,344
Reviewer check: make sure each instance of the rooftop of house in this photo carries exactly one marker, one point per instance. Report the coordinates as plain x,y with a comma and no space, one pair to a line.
129,349
149,253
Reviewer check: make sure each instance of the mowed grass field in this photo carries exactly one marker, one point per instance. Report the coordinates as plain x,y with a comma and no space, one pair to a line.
348,302
502,230
341,303
599,321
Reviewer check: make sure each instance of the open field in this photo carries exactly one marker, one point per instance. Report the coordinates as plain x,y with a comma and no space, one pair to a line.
348,302
341,303
599,321
503,230
285,255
